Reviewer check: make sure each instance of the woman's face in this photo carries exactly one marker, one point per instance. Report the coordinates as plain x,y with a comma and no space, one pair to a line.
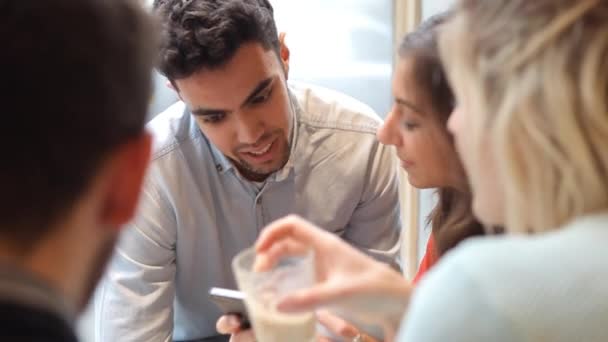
420,137
480,166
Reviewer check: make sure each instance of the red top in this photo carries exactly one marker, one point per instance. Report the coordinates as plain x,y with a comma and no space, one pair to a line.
429,259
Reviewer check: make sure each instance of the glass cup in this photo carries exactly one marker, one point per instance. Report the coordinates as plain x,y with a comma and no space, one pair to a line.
263,290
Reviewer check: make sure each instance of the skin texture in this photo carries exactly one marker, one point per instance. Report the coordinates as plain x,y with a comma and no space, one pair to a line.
243,108
421,140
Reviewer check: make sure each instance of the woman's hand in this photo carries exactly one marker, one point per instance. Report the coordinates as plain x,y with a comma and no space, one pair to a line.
369,290
340,328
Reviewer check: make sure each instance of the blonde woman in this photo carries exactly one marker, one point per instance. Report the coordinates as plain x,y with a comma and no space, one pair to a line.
532,129
531,79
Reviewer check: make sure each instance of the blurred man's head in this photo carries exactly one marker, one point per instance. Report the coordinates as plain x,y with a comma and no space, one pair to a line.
77,82
227,63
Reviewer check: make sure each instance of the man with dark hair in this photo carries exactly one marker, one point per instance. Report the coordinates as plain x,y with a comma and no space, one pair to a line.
77,82
242,148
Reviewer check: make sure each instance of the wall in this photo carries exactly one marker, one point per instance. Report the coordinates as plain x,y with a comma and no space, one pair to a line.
427,198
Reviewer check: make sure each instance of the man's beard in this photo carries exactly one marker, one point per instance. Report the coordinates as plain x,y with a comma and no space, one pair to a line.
252,173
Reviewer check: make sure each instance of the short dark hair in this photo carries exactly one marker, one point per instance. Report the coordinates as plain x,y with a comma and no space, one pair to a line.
77,82
200,34
452,218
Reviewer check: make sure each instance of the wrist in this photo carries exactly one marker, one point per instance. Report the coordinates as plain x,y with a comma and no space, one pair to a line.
393,282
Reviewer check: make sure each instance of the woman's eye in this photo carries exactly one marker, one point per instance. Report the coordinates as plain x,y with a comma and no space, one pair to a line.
410,125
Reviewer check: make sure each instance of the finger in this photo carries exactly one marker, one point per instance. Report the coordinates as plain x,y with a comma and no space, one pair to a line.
279,230
389,332
289,227
367,338
324,339
243,336
313,297
337,325
228,324
286,247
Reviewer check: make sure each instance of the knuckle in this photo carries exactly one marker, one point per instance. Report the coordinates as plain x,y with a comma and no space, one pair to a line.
345,330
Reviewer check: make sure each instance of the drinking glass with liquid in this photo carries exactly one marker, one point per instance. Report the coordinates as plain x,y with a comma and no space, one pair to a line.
263,290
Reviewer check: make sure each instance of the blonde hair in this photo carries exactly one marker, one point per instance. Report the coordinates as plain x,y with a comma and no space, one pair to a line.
534,77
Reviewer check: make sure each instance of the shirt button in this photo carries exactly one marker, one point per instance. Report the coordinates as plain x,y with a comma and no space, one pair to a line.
219,168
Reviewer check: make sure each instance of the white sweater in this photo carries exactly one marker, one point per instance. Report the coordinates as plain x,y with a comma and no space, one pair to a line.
549,287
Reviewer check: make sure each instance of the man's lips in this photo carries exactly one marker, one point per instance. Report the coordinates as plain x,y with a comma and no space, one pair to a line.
261,150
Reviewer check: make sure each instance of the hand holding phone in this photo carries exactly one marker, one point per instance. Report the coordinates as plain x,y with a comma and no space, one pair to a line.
231,302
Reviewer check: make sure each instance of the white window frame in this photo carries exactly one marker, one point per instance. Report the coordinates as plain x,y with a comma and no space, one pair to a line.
407,16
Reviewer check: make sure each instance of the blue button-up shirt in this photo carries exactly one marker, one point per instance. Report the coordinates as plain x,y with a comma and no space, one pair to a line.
197,212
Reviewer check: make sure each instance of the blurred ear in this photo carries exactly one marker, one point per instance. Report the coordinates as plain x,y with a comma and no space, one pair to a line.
170,85
125,174
284,53
173,86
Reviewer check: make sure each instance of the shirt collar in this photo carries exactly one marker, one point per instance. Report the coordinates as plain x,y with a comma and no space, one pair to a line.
284,172
27,289
222,163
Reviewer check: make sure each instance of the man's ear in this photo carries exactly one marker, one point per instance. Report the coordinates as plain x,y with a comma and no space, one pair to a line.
173,86
170,85
126,171
284,53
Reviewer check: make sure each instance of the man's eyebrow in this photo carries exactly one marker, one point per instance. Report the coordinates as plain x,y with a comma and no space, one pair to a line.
208,112
257,90
201,111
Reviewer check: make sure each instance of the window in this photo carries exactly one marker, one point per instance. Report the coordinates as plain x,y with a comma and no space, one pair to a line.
345,45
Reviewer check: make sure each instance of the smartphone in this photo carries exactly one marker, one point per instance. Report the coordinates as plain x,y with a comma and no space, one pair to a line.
231,302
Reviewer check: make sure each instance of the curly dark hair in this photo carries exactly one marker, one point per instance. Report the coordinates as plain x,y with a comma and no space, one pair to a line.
200,34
